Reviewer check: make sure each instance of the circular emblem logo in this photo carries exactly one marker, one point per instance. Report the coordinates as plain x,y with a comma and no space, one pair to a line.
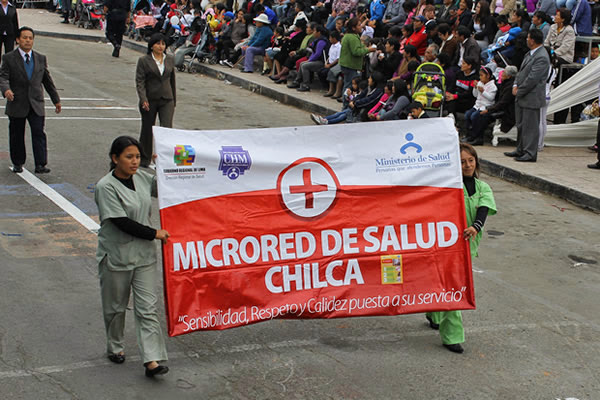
308,187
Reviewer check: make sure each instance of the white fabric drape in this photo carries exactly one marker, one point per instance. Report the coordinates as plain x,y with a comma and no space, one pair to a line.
582,86
566,135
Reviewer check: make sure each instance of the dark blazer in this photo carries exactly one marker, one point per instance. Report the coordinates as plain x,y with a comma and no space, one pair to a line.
28,93
531,79
9,22
150,84
471,50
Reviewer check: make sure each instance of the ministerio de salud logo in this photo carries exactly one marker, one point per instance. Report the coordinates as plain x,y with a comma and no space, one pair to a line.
184,155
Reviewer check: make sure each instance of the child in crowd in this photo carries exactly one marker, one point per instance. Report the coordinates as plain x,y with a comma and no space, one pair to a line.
396,106
357,90
485,93
416,111
479,203
361,106
387,93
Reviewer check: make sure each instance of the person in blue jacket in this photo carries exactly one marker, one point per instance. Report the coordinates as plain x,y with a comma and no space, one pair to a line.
258,42
377,9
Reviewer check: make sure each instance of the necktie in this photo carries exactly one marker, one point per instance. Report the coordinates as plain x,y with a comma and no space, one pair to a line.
27,58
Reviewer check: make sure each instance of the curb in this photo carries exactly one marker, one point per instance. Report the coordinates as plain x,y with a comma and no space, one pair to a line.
576,197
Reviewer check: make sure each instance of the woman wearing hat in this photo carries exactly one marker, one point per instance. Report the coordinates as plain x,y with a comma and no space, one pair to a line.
258,43
155,83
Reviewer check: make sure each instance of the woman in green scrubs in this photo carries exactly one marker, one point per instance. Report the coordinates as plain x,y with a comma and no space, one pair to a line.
479,203
127,255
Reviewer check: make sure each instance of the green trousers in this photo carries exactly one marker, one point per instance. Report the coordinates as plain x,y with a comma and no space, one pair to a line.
115,287
451,326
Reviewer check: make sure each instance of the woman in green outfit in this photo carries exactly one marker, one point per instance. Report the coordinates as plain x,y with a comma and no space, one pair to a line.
127,255
479,203
353,52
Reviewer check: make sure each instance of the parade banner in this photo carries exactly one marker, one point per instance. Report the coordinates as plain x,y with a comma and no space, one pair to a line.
311,222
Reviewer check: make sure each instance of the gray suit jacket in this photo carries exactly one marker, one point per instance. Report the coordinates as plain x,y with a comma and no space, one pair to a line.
28,93
531,79
150,84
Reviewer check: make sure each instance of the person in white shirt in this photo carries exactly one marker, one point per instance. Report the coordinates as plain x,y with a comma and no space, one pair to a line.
336,82
485,94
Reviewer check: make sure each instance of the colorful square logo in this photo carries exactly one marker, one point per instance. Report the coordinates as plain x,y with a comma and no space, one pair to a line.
391,269
184,155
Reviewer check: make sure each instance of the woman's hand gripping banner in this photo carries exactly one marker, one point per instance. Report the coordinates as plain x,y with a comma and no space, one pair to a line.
311,222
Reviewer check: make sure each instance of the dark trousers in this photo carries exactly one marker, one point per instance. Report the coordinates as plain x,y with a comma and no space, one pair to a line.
528,130
115,29
598,138
165,110
16,139
8,41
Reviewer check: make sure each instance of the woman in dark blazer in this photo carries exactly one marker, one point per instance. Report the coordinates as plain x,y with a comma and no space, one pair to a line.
155,82
9,25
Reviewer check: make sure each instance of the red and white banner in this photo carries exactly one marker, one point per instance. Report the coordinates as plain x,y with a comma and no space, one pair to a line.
311,222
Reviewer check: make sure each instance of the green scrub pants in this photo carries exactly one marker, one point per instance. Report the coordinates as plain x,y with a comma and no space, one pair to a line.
115,287
451,326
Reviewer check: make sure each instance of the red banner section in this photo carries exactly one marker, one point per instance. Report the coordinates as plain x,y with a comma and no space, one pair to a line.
242,258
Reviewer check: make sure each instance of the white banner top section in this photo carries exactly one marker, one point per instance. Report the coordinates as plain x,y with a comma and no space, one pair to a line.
194,165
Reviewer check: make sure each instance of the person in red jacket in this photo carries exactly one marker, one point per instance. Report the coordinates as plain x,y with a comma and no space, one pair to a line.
419,36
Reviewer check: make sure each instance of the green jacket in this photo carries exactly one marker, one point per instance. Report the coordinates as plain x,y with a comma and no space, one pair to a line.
483,196
353,52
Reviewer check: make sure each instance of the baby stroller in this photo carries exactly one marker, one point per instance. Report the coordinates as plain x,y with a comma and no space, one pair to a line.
429,88
200,46
88,14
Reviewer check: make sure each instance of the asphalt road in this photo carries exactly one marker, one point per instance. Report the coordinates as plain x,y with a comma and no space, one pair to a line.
534,334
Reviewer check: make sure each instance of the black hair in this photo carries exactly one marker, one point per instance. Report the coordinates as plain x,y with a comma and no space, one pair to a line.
280,30
395,31
363,85
410,50
220,6
378,79
444,28
155,38
258,8
119,145
469,5
335,35
444,59
463,31
393,42
408,5
400,89
301,23
389,85
322,30
565,14
473,62
542,16
25,28
502,19
484,10
300,5
409,29
537,36
414,105
351,24
523,15
413,65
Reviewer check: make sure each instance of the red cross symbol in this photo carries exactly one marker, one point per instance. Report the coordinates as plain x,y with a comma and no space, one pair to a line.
308,188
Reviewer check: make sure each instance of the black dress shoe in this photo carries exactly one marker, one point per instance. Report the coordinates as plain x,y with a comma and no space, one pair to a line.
475,142
293,85
17,169
303,88
265,72
116,52
160,370
117,358
526,158
281,80
40,169
274,78
455,348
513,154
432,324
594,166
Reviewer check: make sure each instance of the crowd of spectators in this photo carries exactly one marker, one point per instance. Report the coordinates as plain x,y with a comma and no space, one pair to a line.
366,54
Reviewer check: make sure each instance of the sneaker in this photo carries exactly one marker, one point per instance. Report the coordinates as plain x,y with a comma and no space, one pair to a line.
316,119
228,63
323,121
221,62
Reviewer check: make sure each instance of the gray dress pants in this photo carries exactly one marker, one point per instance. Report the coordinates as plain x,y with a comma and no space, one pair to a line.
528,130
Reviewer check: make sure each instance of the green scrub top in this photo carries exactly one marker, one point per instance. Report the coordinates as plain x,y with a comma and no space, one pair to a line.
123,251
483,197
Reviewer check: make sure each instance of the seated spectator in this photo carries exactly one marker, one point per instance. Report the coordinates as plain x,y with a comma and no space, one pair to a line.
299,8
334,70
290,42
449,43
361,106
445,62
396,106
463,15
258,43
238,32
314,63
505,103
582,18
410,73
410,54
376,10
410,9
295,56
483,25
502,25
389,61
419,36
394,13
459,96
416,111
443,13
387,93
264,8
485,93
561,37
542,22
430,23
276,43
594,52
505,7
521,19
357,90
431,53
407,31
467,47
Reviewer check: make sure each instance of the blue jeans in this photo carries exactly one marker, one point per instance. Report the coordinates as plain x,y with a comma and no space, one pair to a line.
349,74
338,116
249,57
475,123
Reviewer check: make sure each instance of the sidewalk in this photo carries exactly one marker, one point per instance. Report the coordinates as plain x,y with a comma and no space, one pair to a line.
559,171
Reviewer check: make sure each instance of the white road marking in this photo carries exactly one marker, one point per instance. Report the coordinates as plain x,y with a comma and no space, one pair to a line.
79,99
249,347
93,108
60,201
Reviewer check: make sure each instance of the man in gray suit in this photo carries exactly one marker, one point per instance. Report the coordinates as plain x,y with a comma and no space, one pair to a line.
22,74
530,90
